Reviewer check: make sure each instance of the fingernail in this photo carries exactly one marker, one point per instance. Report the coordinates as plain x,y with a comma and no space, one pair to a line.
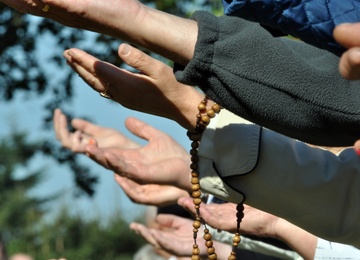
125,49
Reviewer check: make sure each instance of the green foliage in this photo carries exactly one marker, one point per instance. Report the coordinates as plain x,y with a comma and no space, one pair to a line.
75,237
24,228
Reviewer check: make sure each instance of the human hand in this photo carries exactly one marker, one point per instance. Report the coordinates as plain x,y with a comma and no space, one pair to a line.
154,90
348,36
174,235
161,161
150,194
223,217
88,134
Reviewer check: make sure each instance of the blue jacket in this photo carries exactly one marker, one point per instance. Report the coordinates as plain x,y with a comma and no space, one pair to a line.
312,21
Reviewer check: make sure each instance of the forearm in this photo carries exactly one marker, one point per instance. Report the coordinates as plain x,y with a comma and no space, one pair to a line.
168,35
298,239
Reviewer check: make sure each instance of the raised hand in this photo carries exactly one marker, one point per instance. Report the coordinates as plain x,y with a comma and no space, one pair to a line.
154,90
150,194
161,161
174,235
88,134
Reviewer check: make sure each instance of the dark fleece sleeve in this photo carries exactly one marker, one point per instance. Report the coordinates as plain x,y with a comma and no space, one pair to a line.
282,84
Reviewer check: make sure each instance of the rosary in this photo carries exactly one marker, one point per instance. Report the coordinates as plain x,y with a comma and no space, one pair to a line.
202,120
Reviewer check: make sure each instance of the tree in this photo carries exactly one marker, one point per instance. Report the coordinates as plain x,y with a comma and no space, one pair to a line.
19,212
77,237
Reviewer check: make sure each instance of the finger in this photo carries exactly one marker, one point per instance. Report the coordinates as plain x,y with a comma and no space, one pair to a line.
85,126
141,61
349,65
98,155
142,129
144,232
83,64
56,122
130,189
348,35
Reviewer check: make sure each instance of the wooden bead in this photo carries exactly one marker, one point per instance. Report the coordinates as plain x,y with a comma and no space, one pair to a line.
194,145
195,257
205,119
195,187
209,243
212,256
232,257
196,224
196,194
194,180
195,159
194,166
193,152
197,201
216,108
210,113
196,251
207,236
201,107
236,239
195,173
210,250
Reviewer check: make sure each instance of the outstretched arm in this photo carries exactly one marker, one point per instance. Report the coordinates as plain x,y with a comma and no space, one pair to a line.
258,223
129,20
154,90
161,161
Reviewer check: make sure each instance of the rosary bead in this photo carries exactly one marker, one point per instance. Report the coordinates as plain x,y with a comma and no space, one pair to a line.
195,257
195,187
210,250
216,108
193,152
196,194
195,159
209,243
207,236
236,238
239,215
194,166
194,145
212,256
210,113
205,119
195,180
195,173
240,207
232,257
196,251
197,201
196,224
201,106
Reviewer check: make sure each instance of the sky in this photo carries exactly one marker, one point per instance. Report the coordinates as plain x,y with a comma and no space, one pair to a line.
109,198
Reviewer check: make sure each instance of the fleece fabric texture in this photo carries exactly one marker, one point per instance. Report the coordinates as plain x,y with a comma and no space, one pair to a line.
282,84
312,21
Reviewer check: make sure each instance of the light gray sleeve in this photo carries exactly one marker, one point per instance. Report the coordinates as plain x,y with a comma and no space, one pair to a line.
310,187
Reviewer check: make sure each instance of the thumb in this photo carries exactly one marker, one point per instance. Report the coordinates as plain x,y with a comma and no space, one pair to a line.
345,34
139,60
142,129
